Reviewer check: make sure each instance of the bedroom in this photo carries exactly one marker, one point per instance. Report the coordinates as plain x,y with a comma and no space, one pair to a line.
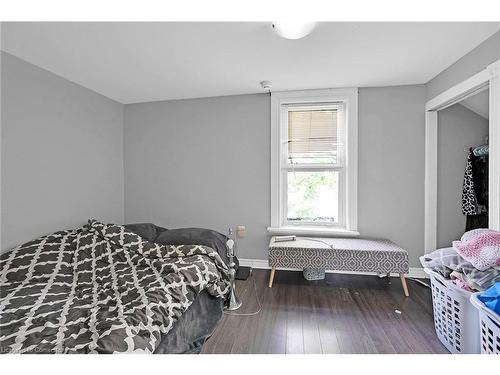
146,165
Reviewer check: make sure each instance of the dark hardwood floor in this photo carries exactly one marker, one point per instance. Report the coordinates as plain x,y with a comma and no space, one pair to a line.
341,314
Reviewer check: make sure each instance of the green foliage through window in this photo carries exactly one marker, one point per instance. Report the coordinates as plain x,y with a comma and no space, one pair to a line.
313,196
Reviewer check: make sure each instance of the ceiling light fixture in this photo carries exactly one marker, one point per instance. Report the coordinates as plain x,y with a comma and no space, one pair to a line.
293,29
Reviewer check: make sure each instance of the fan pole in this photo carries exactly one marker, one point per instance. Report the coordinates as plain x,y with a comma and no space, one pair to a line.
234,303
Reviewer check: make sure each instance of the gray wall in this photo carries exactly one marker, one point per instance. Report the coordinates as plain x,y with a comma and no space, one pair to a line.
458,128
201,162
391,166
62,153
470,64
206,162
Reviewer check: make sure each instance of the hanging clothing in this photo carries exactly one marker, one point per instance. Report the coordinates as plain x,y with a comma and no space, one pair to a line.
475,191
468,194
480,173
476,221
482,150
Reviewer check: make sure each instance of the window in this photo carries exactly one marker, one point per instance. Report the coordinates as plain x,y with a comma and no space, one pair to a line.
314,162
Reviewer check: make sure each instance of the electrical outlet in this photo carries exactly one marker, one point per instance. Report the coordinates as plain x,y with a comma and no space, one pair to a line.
241,230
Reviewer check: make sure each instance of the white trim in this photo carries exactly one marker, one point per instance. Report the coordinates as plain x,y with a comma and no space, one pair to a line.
471,86
275,159
349,96
312,231
263,264
1,101
285,166
494,148
431,148
487,78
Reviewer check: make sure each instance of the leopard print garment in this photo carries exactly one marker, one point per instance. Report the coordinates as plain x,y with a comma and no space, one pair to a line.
469,203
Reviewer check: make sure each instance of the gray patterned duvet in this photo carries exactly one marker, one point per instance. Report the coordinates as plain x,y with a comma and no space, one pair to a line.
100,289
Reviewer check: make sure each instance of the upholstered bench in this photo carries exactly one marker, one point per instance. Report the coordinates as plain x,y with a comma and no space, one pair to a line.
340,254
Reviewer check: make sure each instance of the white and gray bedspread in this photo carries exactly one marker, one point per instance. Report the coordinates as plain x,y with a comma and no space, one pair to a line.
100,289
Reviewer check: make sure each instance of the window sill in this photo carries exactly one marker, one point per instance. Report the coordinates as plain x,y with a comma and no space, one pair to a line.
312,231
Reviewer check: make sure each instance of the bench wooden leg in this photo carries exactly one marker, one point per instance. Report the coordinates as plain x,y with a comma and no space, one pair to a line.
403,282
271,277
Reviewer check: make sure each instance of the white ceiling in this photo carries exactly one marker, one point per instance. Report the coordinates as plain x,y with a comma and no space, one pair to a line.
139,62
479,103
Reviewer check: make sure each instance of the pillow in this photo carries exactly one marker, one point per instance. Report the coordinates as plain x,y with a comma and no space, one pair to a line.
147,231
196,236
481,250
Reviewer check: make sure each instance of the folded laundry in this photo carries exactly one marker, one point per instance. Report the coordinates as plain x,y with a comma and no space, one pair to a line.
462,285
472,233
482,250
442,261
458,279
447,261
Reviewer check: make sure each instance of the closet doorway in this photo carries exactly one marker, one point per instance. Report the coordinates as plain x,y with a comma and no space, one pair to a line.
463,129
462,168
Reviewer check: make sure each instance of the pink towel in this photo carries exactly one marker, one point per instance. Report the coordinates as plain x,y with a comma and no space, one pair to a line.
481,250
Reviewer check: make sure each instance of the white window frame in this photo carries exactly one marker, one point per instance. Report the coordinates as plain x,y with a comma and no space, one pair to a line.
286,167
348,188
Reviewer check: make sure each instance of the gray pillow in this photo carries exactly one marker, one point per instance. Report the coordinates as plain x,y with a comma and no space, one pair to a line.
196,236
183,236
147,231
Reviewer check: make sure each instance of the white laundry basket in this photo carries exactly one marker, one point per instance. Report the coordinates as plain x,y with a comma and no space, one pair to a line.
489,326
455,318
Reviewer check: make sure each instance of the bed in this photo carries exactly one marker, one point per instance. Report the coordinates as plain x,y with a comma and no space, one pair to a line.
105,288
197,324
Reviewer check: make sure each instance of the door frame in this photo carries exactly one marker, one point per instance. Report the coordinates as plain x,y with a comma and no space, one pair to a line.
488,78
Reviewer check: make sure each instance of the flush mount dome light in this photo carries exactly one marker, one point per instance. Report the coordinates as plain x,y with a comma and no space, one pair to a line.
293,29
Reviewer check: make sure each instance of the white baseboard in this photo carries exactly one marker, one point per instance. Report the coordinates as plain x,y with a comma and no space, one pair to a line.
416,272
